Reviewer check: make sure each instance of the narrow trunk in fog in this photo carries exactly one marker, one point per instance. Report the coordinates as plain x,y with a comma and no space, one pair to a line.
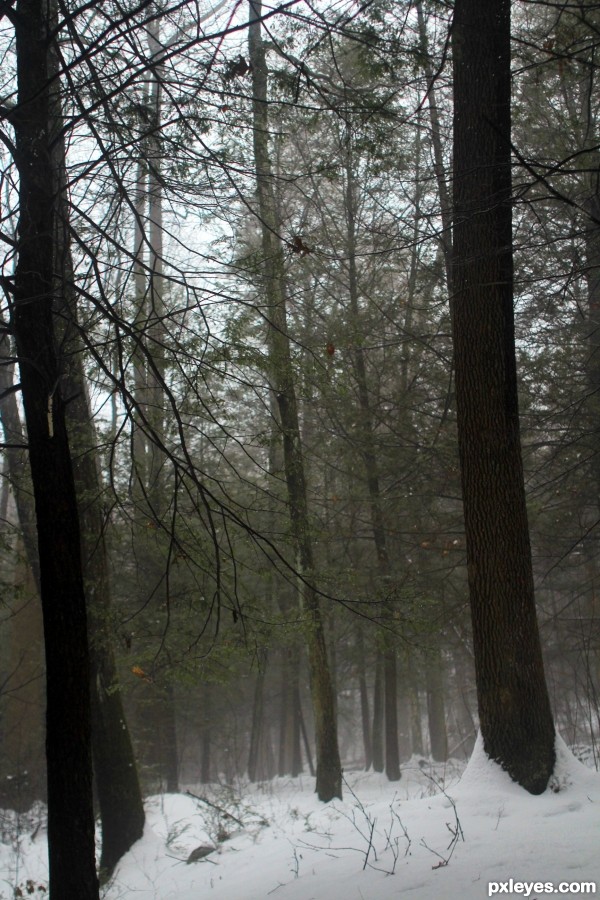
369,455
329,773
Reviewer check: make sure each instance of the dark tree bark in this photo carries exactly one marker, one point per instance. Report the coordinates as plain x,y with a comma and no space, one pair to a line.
68,721
115,770
514,710
117,787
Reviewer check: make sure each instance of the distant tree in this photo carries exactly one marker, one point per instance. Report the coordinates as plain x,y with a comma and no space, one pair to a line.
515,718
328,766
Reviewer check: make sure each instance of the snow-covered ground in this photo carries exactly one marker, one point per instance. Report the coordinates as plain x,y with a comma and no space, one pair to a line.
434,834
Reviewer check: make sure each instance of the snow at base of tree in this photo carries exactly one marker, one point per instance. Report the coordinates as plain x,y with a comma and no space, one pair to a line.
433,834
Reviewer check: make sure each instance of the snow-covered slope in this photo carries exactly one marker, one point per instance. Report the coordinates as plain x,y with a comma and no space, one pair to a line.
433,834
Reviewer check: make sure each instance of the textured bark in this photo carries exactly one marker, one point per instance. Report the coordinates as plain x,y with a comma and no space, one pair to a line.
71,848
329,771
514,710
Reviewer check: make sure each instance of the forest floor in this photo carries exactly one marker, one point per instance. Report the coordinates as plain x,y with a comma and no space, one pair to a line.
442,831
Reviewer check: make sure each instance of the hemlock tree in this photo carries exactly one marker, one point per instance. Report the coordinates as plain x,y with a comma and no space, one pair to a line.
514,710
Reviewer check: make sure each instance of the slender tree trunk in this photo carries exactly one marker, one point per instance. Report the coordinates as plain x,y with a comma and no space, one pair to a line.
23,737
169,744
329,772
305,740
257,724
514,710
149,374
290,756
436,713
392,749
364,695
437,142
23,779
377,740
367,449
205,757
296,751
416,729
284,718
68,719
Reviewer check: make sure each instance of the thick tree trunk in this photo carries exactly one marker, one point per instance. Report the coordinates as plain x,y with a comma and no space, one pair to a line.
329,772
514,710
68,721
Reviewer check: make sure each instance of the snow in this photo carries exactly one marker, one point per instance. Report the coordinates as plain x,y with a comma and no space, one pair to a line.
442,831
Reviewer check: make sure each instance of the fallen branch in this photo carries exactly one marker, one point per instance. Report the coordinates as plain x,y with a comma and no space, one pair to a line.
218,809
